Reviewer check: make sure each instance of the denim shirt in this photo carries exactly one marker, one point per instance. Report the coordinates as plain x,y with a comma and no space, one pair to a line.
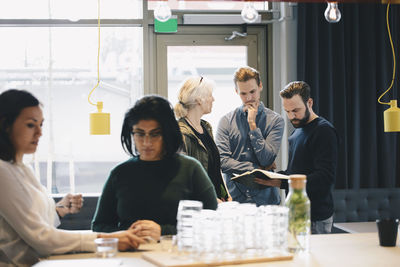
243,150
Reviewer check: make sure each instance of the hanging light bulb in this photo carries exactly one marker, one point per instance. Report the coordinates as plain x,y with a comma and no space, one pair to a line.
249,13
162,12
332,13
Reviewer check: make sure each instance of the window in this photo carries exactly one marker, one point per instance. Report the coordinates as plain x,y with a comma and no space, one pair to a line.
186,61
71,9
59,66
49,48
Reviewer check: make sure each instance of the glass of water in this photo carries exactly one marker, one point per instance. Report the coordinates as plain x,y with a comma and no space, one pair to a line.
106,247
168,243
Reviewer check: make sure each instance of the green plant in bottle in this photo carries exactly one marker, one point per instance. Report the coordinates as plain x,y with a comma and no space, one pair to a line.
299,214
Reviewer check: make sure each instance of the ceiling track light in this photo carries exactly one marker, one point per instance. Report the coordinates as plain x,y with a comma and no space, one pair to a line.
162,12
249,13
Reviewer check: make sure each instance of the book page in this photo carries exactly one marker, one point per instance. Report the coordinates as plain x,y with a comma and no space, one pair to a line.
273,175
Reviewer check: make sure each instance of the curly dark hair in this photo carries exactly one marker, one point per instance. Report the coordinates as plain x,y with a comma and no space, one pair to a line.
12,102
156,108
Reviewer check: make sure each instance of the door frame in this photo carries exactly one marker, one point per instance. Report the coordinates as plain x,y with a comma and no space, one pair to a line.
257,39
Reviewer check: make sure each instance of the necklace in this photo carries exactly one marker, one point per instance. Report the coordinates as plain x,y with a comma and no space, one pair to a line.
192,124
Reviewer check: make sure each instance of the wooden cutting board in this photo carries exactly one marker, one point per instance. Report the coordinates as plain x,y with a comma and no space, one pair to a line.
167,259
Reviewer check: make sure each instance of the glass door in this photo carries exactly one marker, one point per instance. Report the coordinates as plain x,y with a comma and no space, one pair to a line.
180,56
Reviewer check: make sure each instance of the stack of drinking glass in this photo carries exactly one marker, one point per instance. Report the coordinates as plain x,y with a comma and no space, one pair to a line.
234,231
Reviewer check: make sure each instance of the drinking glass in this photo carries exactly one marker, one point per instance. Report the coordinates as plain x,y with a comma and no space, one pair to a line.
187,211
387,231
231,230
248,213
106,247
206,241
168,243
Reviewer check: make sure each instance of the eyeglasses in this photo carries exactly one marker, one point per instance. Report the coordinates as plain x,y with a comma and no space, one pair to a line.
153,136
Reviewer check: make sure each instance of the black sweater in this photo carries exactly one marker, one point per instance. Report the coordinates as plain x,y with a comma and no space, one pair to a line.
313,151
151,190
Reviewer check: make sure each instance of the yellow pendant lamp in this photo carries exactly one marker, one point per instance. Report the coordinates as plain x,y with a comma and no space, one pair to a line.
391,116
99,121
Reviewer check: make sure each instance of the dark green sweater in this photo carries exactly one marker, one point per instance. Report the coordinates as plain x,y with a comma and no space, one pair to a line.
151,190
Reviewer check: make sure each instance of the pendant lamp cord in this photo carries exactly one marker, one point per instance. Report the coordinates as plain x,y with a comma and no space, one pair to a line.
394,56
98,53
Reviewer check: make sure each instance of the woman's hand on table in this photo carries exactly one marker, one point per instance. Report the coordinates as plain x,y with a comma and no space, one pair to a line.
71,203
146,229
127,240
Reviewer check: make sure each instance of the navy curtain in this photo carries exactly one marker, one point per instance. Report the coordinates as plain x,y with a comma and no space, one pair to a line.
348,65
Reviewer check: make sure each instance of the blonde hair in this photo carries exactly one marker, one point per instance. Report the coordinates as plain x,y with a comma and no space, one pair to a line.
192,89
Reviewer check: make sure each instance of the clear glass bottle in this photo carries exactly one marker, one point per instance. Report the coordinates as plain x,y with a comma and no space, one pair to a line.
299,214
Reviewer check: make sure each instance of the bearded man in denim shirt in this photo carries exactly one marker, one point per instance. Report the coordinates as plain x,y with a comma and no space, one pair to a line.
249,137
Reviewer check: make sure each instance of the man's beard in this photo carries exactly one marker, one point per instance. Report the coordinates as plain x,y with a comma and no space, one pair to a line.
300,123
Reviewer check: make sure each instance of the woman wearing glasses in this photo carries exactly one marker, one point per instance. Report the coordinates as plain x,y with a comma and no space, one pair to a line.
143,193
28,215
195,100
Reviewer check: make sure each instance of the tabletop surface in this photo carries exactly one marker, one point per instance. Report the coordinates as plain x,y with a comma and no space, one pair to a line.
358,227
326,250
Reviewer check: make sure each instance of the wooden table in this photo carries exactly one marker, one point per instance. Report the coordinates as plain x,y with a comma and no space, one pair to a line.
357,227
331,250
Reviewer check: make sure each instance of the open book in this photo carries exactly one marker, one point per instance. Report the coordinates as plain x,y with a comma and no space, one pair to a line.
247,178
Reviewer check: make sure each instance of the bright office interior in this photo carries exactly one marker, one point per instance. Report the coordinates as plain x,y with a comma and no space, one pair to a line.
50,49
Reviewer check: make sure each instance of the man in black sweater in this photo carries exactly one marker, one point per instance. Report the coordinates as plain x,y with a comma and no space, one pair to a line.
313,149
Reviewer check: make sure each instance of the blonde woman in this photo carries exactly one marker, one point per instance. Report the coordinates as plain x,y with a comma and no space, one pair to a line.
195,100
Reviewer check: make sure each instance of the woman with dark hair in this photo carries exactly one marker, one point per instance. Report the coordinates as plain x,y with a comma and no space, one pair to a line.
28,215
143,193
